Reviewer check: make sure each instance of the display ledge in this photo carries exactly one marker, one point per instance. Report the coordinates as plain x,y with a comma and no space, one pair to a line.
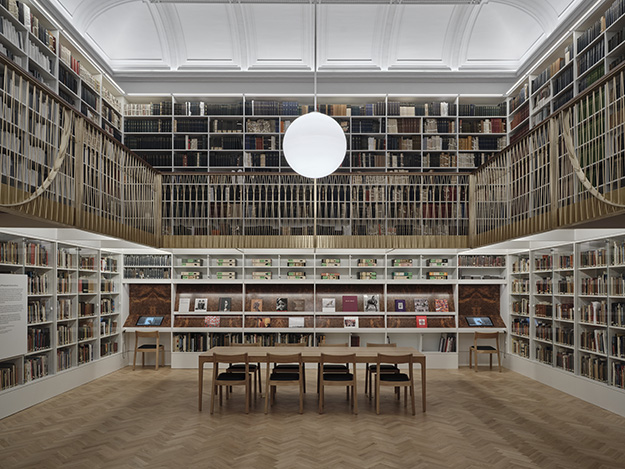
66,345
38,352
520,336
525,272
593,267
65,293
571,321
490,281
42,323
543,341
145,280
559,344
592,324
36,266
87,339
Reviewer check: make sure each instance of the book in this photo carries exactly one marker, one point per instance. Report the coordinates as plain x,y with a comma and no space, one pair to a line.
328,305
298,304
350,303
422,321
402,275
281,304
191,262
256,305
400,306
183,305
441,306
354,341
350,321
330,276
211,321
372,303
226,262
261,262
438,275
330,262
421,305
263,322
225,304
296,322
261,275
200,304
191,275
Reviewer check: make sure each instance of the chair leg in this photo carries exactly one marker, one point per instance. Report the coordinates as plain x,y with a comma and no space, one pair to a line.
490,360
412,397
134,362
142,359
405,396
366,377
377,394
470,358
156,359
301,394
213,391
499,360
248,394
304,377
320,391
355,393
476,358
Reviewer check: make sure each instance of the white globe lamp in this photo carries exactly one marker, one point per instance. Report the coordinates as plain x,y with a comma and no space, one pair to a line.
314,145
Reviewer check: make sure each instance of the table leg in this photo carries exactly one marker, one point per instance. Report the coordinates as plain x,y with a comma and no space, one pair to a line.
423,385
200,384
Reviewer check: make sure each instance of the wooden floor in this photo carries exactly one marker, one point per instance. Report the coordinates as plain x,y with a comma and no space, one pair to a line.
150,419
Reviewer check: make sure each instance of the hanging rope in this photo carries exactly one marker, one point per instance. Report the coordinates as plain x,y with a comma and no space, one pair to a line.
570,152
68,119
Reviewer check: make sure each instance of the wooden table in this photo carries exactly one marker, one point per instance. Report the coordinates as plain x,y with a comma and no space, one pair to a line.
310,355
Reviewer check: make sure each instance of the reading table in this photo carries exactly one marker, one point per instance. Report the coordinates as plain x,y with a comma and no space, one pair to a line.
310,355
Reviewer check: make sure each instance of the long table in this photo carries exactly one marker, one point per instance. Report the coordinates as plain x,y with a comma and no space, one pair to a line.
310,355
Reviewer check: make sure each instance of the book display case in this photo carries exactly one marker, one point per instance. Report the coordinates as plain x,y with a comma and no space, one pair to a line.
220,297
73,306
584,56
567,305
385,133
33,43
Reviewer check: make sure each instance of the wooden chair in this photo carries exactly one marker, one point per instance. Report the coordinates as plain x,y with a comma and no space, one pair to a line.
338,379
154,348
395,380
475,348
253,367
290,367
371,369
231,378
282,378
332,368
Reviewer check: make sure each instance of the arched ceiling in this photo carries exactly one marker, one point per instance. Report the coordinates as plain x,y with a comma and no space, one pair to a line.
137,36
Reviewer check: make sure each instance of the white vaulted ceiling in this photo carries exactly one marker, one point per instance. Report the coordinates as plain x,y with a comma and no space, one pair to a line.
137,36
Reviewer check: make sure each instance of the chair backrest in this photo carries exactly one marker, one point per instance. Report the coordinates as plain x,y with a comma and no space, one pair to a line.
369,344
282,358
229,358
485,335
394,359
146,334
334,345
343,358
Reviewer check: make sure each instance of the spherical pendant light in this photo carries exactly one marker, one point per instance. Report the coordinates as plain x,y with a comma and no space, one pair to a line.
314,145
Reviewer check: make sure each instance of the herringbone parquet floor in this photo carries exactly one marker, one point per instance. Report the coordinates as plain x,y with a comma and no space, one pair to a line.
150,419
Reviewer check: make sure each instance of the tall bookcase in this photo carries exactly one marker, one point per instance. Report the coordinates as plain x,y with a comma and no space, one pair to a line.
384,133
73,306
33,42
584,56
567,308
356,297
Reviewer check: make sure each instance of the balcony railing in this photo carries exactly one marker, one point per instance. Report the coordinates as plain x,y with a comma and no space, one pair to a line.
57,165
531,186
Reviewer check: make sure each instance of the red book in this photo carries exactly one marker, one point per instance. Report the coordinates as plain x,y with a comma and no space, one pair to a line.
422,321
350,303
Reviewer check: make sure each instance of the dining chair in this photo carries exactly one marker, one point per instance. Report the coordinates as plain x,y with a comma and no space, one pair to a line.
284,378
396,380
338,379
489,349
231,378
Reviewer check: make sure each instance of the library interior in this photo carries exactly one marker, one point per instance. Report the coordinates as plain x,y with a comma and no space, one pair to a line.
247,194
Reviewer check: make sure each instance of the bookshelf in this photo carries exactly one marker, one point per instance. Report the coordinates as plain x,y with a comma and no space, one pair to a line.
333,296
384,133
73,307
147,268
583,56
32,41
575,321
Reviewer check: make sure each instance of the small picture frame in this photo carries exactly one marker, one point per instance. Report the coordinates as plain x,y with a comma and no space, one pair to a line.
256,305
200,304
372,303
225,304
350,322
328,305
282,304
400,306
